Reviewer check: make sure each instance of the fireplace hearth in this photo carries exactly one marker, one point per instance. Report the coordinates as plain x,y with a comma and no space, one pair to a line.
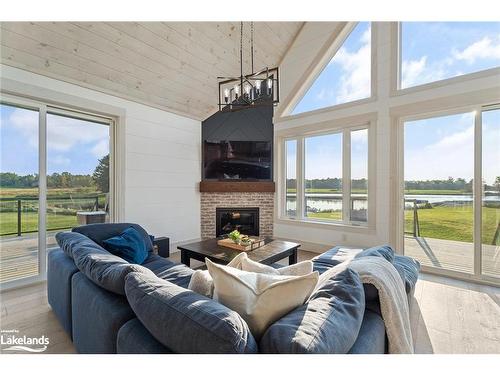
243,219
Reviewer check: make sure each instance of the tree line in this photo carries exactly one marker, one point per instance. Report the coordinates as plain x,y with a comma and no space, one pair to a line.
99,179
449,184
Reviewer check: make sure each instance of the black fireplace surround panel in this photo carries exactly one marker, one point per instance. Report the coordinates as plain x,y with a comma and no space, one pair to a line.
245,220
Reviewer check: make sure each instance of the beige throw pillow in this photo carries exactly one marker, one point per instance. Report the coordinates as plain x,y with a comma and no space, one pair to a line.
259,298
201,282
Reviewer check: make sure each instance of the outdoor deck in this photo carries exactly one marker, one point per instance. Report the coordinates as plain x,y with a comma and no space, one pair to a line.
19,256
452,255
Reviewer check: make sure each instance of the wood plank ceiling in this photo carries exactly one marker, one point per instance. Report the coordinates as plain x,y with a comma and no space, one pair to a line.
168,65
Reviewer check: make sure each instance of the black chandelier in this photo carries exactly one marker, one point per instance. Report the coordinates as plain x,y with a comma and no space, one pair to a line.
255,89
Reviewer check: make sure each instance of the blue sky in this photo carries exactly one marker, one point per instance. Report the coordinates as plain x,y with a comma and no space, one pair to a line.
72,145
435,148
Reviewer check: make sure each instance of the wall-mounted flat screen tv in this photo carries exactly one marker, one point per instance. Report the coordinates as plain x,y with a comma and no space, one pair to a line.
237,160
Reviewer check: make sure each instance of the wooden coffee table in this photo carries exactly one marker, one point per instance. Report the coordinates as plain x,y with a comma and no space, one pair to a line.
271,252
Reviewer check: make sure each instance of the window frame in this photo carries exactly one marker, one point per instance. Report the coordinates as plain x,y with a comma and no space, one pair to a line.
345,130
397,62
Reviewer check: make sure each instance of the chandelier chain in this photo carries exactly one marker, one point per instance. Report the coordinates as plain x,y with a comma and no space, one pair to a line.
241,53
251,41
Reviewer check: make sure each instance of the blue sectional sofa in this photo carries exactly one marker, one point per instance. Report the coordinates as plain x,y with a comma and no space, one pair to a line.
108,305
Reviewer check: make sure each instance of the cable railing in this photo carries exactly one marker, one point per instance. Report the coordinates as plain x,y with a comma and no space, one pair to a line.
19,215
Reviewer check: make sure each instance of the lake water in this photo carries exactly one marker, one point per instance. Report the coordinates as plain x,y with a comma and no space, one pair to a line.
333,201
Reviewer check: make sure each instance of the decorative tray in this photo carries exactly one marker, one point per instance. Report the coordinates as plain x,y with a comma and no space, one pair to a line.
227,242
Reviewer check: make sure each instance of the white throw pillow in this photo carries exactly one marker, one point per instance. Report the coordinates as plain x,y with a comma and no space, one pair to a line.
201,282
259,298
297,269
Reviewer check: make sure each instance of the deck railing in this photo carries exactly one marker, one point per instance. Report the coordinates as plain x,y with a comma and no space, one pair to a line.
19,215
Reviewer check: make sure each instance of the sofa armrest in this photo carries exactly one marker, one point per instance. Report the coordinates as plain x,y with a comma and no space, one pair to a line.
161,246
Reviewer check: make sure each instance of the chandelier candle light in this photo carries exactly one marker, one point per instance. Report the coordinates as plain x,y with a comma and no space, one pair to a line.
255,89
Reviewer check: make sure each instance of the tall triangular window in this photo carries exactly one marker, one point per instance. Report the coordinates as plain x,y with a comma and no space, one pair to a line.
346,77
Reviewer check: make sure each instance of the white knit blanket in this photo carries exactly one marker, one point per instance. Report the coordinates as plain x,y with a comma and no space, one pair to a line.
393,300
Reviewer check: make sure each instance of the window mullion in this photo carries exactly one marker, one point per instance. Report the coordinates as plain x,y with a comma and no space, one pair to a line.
300,165
477,192
346,176
42,191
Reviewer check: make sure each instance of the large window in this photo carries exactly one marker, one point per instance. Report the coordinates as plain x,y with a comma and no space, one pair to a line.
433,51
346,77
322,165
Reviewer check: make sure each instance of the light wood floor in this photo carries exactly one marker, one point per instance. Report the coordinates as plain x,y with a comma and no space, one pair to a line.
448,316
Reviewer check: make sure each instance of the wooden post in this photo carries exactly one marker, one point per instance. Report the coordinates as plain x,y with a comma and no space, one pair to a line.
19,218
97,203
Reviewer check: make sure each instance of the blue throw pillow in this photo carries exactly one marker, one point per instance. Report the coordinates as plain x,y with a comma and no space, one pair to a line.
378,251
128,245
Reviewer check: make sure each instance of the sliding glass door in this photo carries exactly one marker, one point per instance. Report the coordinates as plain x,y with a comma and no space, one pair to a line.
451,220
71,152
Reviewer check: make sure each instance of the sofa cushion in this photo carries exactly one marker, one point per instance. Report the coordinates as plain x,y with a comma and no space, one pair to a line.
384,251
328,323
103,268
336,255
178,274
372,337
184,321
101,232
128,245
134,338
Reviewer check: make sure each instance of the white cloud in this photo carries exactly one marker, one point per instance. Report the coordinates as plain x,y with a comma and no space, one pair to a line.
59,160
355,82
485,48
63,133
101,148
420,71
416,72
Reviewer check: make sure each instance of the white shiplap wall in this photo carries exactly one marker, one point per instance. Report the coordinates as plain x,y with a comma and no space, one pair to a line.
162,157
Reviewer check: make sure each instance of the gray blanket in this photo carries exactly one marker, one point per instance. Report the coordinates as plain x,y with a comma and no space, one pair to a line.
393,300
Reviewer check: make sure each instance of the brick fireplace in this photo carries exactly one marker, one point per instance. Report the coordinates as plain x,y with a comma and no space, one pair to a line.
210,201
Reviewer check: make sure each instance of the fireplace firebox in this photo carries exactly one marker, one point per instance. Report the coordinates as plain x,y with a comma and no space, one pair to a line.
245,220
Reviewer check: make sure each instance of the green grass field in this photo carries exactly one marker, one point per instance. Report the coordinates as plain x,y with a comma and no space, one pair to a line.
453,223
447,223
29,222
61,212
335,215
33,192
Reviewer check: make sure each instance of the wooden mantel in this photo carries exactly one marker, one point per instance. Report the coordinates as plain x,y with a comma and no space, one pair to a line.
210,186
